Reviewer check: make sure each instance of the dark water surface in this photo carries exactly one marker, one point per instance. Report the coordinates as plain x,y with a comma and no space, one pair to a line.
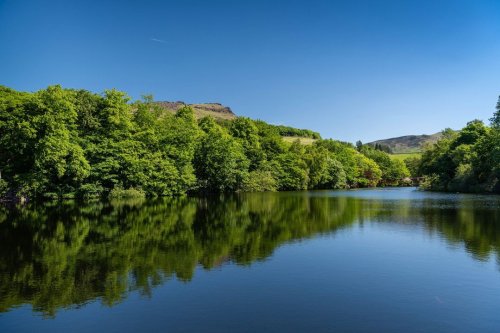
391,260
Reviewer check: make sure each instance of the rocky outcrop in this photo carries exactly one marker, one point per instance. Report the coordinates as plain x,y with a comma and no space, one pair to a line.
216,110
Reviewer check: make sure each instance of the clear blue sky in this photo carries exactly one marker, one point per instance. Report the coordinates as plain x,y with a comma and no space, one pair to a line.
348,69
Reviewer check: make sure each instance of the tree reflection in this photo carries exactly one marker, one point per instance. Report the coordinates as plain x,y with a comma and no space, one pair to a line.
59,255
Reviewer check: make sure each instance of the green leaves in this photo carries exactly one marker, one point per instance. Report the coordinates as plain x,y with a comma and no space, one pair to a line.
467,161
62,142
220,162
393,171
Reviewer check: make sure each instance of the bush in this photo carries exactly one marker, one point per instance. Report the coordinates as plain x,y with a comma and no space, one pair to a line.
433,182
119,192
88,191
259,181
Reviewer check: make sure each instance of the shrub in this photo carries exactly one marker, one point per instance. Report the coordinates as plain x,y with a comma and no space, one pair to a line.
119,192
88,191
259,181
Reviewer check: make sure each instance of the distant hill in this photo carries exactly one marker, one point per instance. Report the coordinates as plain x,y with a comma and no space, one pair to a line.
408,143
215,110
219,111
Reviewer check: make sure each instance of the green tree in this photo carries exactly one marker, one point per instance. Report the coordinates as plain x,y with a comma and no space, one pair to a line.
247,133
219,161
325,172
40,142
393,170
495,120
412,164
467,161
291,170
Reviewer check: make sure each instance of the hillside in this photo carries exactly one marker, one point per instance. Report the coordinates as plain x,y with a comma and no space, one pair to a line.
219,111
215,110
302,139
409,143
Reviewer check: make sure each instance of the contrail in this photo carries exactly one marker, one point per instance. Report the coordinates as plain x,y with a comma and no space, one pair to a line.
158,40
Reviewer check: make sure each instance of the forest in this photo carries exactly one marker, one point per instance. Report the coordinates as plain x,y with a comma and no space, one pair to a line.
464,161
68,143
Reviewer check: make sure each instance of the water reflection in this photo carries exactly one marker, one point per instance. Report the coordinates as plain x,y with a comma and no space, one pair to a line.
55,255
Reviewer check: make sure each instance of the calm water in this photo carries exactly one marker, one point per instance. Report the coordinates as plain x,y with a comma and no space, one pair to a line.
395,260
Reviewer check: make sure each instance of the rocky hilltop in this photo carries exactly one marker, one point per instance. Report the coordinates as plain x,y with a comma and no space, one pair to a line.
215,110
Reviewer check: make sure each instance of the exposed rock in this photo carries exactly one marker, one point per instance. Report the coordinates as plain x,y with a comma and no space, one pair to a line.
216,110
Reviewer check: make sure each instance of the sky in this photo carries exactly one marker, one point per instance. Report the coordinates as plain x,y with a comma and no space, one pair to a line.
351,70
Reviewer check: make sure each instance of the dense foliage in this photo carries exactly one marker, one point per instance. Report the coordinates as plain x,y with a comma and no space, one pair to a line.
63,142
393,170
465,161
291,131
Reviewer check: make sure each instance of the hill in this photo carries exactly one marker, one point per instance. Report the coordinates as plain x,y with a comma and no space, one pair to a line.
215,110
409,143
221,112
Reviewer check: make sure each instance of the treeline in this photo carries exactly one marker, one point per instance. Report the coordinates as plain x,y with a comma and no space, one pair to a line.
463,161
291,131
382,147
64,143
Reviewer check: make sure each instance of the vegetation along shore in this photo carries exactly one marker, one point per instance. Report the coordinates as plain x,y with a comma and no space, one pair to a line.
63,143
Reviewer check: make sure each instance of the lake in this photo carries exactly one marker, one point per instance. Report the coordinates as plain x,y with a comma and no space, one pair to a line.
374,260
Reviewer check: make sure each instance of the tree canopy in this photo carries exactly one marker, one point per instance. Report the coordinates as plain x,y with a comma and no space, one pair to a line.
61,143
465,161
